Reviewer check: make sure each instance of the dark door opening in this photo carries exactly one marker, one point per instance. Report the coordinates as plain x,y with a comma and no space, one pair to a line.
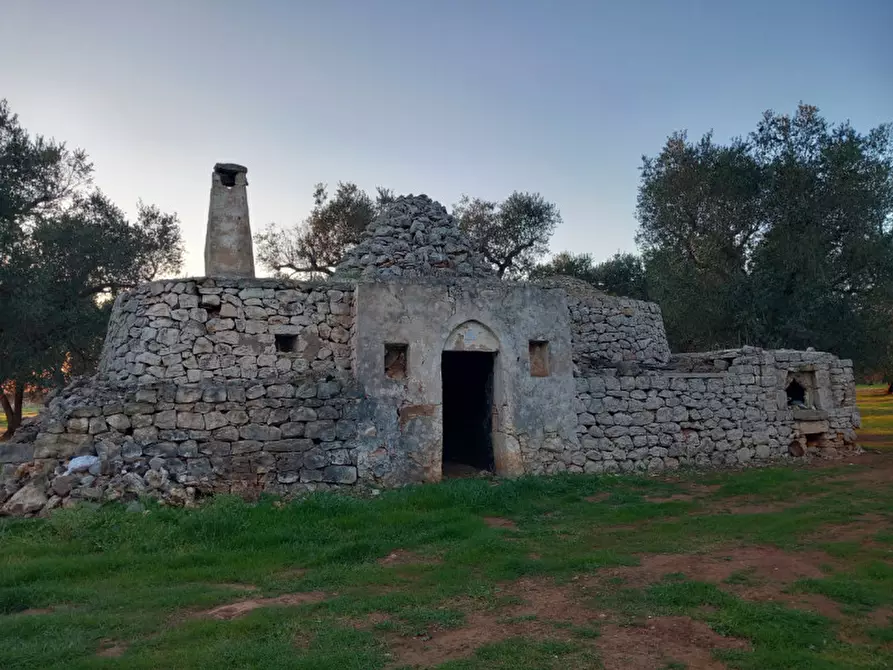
467,411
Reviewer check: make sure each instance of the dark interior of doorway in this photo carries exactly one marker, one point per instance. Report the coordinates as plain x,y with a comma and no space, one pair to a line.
467,412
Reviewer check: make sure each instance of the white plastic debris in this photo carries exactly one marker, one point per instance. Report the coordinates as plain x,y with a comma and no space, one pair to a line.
81,464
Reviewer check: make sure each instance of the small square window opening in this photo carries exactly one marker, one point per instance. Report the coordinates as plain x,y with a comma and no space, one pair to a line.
395,360
286,344
539,358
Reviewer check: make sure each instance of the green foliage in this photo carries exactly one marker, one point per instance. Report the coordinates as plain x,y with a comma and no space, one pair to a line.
781,239
621,275
312,248
513,234
65,252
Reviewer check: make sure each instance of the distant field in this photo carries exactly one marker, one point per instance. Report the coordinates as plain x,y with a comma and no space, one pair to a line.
876,407
29,410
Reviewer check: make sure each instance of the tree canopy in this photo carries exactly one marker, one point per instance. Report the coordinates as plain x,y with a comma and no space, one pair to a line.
314,247
65,251
513,234
781,239
622,275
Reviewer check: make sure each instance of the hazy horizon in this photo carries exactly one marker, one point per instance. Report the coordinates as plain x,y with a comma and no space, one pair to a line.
425,97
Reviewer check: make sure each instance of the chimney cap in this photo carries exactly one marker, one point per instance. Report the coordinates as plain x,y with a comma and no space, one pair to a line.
229,168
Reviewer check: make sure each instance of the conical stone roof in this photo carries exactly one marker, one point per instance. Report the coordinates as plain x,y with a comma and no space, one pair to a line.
414,236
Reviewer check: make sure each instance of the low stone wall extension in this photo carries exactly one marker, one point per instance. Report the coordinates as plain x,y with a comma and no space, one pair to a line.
716,409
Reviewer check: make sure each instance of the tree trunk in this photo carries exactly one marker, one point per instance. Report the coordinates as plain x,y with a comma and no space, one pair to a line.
12,410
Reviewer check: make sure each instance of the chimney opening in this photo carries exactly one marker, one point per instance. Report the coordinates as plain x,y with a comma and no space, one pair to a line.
227,173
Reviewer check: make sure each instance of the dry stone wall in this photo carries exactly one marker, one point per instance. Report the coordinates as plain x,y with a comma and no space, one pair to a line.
283,435
197,330
715,409
607,330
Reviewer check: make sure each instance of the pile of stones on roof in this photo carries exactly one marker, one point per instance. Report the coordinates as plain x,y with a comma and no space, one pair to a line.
413,237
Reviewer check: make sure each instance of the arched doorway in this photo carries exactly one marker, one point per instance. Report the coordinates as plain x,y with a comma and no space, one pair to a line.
468,374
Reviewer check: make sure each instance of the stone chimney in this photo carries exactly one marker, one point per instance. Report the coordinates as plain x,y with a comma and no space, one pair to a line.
228,250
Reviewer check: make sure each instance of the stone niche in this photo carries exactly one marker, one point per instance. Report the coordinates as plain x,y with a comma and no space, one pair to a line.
808,396
468,376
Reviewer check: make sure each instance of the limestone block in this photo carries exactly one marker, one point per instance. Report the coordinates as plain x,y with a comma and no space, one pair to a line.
27,500
190,420
253,431
166,419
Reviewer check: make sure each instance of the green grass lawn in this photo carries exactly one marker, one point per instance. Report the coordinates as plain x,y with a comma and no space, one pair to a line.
876,407
762,569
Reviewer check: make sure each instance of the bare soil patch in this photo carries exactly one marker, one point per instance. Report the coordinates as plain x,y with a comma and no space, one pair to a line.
598,497
882,616
774,592
404,557
744,507
768,563
544,604
860,531
36,611
676,497
499,522
662,640
243,607
875,468
235,587
111,649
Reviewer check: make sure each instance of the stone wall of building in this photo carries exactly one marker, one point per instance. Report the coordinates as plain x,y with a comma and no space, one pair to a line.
196,330
284,435
610,330
607,330
709,409
531,407
195,397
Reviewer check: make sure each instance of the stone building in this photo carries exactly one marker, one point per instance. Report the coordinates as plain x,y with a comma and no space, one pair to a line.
411,363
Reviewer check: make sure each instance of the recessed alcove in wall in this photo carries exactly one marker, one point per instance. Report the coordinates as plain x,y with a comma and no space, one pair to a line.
286,344
801,390
539,358
395,360
796,394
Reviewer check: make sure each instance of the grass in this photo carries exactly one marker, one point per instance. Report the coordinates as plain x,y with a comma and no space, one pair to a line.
83,580
876,407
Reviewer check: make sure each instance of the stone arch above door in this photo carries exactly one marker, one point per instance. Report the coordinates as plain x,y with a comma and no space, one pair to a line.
472,336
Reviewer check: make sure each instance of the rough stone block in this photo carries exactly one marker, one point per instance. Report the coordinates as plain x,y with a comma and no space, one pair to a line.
340,474
253,431
289,445
190,420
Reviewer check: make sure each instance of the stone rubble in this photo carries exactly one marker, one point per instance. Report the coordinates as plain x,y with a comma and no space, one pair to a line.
413,237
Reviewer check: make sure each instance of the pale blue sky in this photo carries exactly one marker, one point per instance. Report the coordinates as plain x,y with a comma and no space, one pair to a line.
438,97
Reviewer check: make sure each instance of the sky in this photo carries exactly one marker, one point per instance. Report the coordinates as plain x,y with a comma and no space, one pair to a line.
443,97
